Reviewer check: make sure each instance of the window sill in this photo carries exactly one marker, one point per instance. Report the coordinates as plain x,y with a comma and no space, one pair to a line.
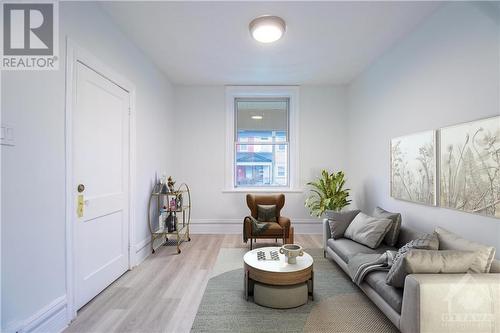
262,190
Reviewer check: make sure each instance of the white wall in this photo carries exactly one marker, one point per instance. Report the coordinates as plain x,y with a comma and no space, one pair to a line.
200,122
33,172
446,72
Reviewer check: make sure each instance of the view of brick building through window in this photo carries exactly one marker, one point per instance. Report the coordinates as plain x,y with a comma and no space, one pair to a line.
261,147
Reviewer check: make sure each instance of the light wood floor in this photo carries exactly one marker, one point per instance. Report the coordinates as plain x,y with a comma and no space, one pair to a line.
164,292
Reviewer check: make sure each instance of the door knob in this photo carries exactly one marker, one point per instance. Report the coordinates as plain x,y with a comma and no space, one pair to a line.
80,200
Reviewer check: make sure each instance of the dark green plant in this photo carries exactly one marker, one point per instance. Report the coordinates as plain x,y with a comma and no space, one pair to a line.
328,193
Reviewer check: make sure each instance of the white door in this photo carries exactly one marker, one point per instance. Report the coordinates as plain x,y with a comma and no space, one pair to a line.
101,164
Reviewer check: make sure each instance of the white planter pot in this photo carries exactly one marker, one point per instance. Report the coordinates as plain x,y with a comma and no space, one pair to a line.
329,214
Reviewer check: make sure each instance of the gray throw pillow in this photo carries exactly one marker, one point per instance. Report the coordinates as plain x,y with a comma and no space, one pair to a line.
484,254
339,221
266,213
396,275
367,230
391,238
432,262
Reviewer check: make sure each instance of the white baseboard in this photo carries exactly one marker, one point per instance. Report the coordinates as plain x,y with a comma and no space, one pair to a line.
222,226
235,226
52,318
143,250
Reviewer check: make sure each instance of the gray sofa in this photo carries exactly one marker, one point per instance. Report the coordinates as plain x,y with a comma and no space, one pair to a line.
423,302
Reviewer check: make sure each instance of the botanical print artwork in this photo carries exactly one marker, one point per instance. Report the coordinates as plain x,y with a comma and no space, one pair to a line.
413,165
470,167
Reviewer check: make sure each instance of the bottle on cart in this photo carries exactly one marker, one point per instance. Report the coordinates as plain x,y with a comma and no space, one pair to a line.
171,222
173,204
162,219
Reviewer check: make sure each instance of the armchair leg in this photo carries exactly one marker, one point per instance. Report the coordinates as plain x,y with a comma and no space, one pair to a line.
251,243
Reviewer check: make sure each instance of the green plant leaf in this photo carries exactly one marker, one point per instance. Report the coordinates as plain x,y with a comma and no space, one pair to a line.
328,193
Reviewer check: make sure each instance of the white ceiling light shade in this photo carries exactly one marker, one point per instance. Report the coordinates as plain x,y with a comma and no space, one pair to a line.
267,28
257,117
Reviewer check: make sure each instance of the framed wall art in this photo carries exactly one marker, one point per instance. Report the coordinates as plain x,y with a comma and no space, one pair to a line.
413,168
470,167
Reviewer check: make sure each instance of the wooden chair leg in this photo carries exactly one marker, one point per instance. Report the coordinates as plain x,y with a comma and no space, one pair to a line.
251,243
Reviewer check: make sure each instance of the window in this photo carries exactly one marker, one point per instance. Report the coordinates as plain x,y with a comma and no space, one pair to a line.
281,171
261,140
261,134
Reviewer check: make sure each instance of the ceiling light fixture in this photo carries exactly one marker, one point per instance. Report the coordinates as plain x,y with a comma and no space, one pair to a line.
256,117
267,28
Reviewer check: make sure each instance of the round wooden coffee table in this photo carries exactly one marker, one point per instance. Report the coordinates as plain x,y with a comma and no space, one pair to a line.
275,283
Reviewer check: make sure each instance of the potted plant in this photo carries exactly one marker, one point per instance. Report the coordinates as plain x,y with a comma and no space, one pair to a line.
328,194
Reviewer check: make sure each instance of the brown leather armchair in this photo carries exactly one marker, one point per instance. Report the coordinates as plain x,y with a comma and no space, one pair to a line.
280,229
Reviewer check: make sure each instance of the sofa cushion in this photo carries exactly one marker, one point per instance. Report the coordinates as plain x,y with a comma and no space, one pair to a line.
393,296
367,230
266,213
391,238
270,229
407,235
346,248
433,262
339,221
484,254
274,229
397,274
443,261
495,266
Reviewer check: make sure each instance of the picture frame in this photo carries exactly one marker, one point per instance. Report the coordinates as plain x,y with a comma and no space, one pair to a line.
469,160
414,168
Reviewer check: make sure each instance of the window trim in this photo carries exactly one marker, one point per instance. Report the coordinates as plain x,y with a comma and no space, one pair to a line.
290,92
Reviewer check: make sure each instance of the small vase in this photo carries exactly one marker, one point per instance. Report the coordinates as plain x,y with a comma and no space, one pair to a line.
291,252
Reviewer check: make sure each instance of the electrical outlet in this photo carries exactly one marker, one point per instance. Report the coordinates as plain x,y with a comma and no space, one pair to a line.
7,137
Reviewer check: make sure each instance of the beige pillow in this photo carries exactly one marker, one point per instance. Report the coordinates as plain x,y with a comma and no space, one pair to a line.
432,262
367,230
484,254
444,261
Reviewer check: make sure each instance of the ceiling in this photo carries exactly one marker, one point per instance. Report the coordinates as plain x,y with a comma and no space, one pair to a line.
205,43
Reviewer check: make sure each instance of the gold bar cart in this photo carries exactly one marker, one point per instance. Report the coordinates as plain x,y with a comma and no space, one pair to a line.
181,232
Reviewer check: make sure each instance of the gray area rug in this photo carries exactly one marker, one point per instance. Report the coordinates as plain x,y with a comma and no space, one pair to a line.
338,306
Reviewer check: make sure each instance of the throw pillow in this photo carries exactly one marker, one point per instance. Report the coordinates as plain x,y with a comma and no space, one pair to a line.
266,213
367,230
444,261
391,238
339,221
484,254
396,275
431,261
